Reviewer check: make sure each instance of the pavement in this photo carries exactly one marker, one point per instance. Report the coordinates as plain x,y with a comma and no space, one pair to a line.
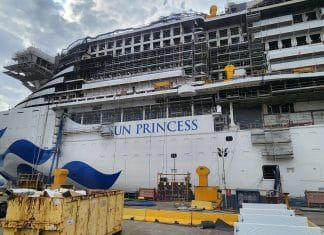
317,217
131,227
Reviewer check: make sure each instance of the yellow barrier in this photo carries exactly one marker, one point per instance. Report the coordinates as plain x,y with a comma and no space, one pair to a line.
311,224
202,205
177,217
134,214
198,217
168,217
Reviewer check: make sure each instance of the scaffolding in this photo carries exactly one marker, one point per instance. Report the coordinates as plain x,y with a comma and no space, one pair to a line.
32,67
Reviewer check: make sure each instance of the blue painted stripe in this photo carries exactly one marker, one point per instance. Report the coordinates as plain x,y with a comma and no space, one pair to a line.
28,151
89,177
2,131
81,173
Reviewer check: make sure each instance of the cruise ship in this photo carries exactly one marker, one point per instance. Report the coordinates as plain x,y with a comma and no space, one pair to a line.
241,92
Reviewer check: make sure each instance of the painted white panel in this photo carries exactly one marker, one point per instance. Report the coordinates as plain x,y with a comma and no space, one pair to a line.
262,229
35,102
43,92
295,51
308,106
134,79
274,20
297,64
264,206
290,29
274,219
66,70
54,81
267,211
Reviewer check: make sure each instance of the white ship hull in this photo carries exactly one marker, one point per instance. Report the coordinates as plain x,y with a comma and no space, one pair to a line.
139,150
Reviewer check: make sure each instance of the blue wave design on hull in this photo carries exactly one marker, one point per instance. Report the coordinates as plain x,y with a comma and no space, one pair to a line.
2,131
89,177
81,173
28,151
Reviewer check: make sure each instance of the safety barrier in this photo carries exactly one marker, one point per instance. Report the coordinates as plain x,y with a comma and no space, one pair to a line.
177,217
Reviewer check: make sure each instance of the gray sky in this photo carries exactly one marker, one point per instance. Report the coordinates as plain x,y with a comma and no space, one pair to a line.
53,24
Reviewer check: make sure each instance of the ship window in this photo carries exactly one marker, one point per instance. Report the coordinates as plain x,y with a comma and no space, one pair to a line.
298,18
213,44
301,41
273,109
118,52
202,107
156,45
101,46
187,30
229,138
137,39
287,108
176,41
273,45
146,47
93,48
128,50
109,116
166,33
119,43
311,16
286,43
134,113
166,43
91,117
223,33
234,31
187,38
180,109
269,171
223,42
176,31
235,40
147,37
315,38
137,48
110,45
128,41
156,35
155,112
77,117
212,35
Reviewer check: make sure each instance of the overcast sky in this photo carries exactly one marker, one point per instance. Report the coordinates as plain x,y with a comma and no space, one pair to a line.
53,24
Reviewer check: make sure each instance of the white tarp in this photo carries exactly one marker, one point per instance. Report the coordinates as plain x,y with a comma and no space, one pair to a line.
265,229
274,219
283,212
263,206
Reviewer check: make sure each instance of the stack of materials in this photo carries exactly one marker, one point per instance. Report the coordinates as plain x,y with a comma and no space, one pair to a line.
269,219
174,187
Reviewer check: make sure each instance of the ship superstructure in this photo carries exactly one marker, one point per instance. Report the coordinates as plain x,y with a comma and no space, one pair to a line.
132,97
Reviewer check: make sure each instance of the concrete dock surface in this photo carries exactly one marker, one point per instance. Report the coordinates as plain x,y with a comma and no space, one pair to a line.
131,227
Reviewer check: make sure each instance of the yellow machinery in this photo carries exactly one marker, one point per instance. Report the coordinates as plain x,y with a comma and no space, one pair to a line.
212,11
160,85
229,71
203,192
307,69
60,176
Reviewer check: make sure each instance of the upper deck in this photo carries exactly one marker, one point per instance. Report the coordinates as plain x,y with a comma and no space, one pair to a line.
275,39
